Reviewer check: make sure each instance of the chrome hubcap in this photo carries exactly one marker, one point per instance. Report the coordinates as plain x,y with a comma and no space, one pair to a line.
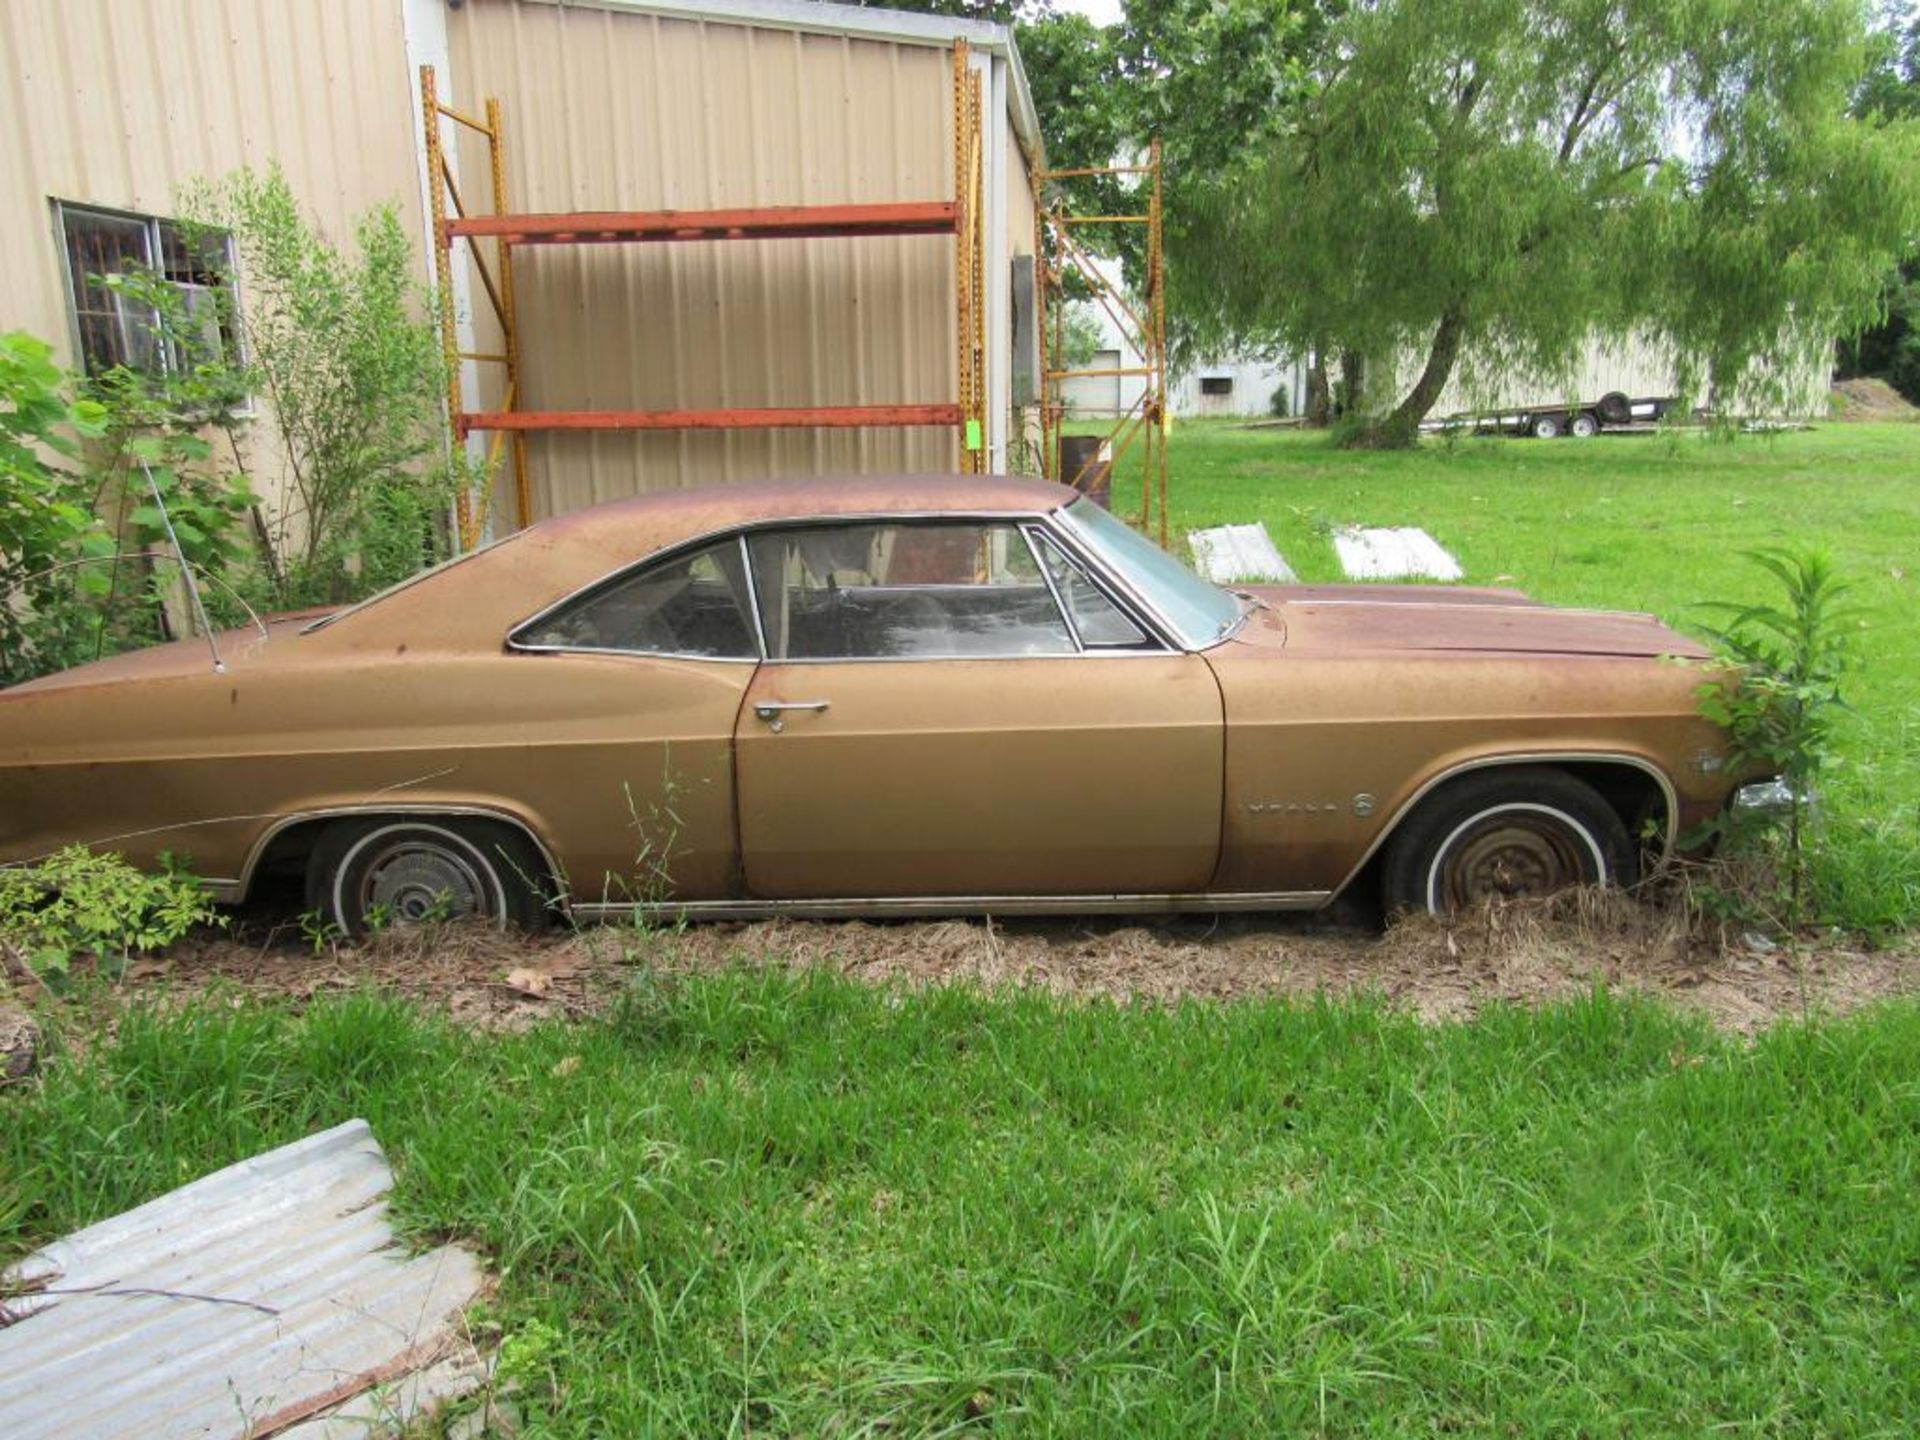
414,881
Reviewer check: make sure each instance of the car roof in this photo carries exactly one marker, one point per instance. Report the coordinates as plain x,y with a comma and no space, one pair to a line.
473,603
667,517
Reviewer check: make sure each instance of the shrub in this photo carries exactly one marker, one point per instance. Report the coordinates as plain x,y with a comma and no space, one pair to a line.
342,351
1779,711
77,903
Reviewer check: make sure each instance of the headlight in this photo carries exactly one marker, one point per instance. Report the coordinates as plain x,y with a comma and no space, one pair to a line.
1768,797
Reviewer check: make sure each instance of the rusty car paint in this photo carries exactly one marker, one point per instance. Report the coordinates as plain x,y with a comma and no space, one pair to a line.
1217,776
1069,775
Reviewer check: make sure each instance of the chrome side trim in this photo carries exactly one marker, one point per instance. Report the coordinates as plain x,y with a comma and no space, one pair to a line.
1531,604
240,887
1527,757
920,905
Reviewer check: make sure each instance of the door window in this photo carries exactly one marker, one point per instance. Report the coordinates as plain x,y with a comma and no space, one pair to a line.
922,591
693,604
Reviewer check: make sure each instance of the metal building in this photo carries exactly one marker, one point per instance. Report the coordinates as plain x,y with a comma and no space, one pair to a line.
603,105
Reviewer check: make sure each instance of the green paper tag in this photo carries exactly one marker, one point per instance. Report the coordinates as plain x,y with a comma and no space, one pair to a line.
974,440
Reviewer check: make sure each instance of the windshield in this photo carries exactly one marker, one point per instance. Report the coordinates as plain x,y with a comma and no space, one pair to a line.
1200,614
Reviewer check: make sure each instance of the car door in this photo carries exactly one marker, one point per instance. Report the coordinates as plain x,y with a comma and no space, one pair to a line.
928,723
638,683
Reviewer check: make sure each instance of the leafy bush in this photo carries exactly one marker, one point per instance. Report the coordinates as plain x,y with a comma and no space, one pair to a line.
1789,660
77,903
47,516
342,351
80,460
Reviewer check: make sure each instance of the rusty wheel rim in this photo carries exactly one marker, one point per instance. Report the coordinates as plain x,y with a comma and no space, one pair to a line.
1512,856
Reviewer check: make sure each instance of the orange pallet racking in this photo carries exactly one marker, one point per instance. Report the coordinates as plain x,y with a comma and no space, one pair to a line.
452,222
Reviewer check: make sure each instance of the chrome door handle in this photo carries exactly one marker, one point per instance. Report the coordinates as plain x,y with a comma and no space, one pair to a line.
771,710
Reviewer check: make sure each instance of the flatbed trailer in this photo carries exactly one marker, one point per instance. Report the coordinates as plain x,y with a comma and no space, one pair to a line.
1612,411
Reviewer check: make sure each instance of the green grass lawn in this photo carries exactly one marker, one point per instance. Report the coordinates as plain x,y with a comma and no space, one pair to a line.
1655,523
759,1203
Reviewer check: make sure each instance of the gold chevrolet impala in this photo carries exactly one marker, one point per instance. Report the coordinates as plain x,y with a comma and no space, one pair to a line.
875,696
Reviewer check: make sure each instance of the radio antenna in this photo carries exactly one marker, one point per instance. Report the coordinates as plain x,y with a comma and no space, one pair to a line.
186,571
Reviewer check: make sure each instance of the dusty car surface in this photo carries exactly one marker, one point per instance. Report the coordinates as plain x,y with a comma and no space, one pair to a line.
887,695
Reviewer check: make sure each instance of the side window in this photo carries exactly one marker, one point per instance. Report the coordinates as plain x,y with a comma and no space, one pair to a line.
926,591
693,604
1100,624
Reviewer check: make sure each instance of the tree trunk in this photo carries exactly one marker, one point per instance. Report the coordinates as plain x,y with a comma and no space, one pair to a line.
1353,383
1399,430
1319,408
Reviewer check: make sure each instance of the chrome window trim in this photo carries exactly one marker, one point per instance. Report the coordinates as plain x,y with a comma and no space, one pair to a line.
1168,632
753,596
1106,586
1669,838
1059,602
635,654
1011,520
613,578
1122,594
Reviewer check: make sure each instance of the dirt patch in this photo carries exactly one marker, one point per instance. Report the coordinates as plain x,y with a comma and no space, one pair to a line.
1867,399
1442,972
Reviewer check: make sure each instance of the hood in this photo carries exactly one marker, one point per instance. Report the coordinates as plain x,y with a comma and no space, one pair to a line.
1437,618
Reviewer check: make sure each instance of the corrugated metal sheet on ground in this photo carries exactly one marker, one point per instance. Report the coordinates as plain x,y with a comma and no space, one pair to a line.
1393,554
228,1307
1239,552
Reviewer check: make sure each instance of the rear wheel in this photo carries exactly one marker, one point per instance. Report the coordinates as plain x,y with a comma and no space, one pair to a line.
409,870
1513,835
1584,426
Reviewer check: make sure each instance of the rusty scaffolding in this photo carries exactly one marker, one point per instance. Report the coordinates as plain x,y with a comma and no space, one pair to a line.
1137,429
510,424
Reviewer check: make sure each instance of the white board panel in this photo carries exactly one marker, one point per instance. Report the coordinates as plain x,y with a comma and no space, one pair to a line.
1228,553
1393,554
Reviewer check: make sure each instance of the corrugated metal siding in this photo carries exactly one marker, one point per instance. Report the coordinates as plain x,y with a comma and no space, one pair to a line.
119,102
250,1292
619,111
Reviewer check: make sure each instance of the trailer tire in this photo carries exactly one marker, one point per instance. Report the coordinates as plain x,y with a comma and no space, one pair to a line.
1585,426
1614,408
1547,427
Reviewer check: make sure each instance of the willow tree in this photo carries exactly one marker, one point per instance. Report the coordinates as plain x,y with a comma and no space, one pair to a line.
1502,179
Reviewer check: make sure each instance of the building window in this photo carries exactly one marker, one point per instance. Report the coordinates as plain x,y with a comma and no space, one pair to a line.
120,326
1216,384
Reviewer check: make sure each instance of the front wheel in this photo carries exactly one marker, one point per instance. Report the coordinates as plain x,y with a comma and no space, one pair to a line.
409,870
1585,426
1518,835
